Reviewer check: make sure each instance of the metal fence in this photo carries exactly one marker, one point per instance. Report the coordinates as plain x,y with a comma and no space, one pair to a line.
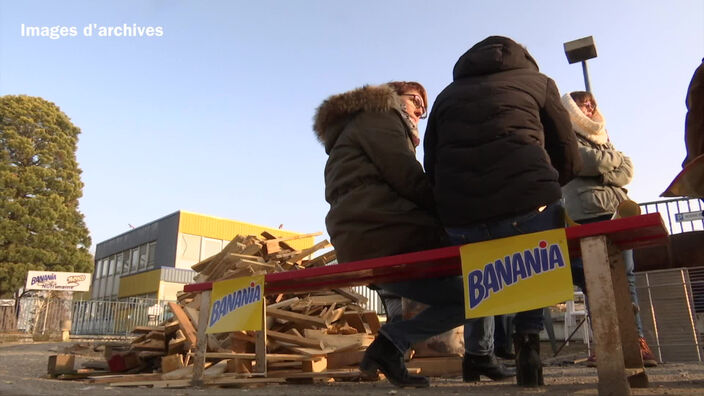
41,316
680,215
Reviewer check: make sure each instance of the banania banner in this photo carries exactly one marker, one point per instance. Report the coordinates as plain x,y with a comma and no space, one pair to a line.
54,280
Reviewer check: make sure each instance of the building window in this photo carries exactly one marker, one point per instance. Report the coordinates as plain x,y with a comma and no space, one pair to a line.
118,264
98,267
111,268
126,261
151,254
135,260
104,272
143,256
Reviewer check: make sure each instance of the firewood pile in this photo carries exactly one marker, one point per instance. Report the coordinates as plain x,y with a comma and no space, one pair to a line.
310,336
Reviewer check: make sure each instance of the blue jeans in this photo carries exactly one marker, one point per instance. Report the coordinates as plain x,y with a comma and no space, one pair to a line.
527,322
445,311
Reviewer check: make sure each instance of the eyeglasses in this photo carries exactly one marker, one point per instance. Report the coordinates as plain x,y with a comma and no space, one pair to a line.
418,103
587,105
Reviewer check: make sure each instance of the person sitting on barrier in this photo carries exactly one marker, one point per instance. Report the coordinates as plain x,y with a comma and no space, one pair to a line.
598,190
498,146
381,204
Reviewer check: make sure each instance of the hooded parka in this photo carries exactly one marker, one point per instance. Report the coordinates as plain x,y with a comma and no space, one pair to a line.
498,141
381,202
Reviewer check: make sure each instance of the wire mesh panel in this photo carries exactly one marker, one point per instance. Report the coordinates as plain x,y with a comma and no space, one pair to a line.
667,310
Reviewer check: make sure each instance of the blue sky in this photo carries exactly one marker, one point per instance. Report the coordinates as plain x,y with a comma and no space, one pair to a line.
215,116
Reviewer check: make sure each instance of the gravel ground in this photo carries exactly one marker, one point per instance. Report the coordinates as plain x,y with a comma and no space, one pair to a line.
23,372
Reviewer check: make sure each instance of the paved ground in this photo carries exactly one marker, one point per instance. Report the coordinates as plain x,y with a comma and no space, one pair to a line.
23,372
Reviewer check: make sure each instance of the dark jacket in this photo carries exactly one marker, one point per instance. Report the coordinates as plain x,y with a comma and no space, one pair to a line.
498,141
694,122
381,202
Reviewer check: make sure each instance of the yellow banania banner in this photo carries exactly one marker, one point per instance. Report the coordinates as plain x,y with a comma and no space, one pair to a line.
516,274
236,304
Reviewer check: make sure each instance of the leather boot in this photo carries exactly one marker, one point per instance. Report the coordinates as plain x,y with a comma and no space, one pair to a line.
475,365
529,368
383,355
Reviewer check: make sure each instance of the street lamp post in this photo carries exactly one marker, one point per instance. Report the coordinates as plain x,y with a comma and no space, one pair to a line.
579,51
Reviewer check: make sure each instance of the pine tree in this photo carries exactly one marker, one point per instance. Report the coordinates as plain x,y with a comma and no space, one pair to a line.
41,227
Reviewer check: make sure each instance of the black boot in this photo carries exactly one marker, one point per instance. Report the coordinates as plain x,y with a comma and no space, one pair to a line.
383,355
529,368
504,352
474,365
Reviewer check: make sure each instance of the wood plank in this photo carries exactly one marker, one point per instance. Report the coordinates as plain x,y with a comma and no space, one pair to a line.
171,362
372,320
184,324
307,252
342,359
354,319
155,384
199,361
626,317
283,304
352,295
339,373
321,260
315,366
177,343
227,380
339,341
260,344
296,317
270,357
105,379
444,366
293,339
147,329
607,337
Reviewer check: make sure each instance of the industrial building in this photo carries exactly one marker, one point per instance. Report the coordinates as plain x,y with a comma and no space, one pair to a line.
154,261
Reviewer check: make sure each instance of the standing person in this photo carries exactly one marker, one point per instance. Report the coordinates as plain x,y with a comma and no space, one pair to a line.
598,190
381,203
694,123
498,146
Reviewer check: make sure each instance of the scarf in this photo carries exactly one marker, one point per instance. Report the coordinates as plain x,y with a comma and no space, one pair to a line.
592,129
415,136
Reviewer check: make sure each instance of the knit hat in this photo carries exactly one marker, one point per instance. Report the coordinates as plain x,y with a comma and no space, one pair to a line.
592,129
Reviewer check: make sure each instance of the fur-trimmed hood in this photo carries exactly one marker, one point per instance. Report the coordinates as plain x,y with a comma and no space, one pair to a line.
331,116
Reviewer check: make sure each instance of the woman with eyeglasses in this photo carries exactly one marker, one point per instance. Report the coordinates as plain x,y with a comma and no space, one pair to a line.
381,204
598,189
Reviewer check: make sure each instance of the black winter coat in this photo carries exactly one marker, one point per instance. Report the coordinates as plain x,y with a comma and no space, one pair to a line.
498,141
